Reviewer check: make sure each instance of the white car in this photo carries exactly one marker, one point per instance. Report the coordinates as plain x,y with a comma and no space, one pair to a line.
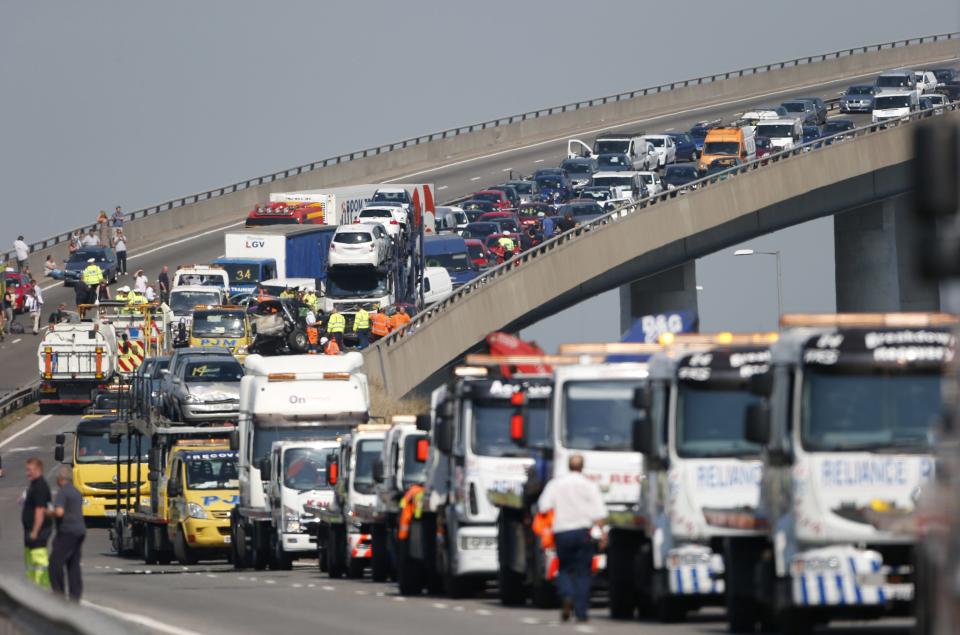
360,245
665,148
926,81
652,181
391,195
393,219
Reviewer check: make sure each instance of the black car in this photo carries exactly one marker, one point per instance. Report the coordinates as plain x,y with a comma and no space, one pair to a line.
527,189
279,326
952,91
835,129
946,75
676,176
582,210
480,229
104,257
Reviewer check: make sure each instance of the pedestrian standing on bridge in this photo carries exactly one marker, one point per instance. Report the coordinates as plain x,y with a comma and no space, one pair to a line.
22,251
103,228
163,279
117,219
36,525
547,227
67,512
120,246
577,506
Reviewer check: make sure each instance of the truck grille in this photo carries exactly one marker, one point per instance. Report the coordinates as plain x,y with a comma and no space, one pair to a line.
221,515
113,486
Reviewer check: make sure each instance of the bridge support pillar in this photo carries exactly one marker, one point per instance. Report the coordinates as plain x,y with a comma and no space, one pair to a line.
666,292
876,253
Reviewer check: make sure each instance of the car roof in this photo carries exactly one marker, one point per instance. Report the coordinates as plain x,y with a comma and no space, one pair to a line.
196,287
392,189
363,228
619,175
789,121
488,191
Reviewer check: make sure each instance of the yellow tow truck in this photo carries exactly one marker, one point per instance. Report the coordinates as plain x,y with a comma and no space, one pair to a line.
226,326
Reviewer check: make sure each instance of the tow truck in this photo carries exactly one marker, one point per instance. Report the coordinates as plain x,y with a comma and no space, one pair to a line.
451,541
221,325
401,465
846,429
201,275
590,415
287,398
346,520
701,484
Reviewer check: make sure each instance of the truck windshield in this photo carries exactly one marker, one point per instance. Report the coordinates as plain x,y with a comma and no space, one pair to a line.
218,471
359,284
305,469
710,422
96,448
611,146
242,273
721,147
892,101
863,411
265,434
368,451
775,131
893,81
454,261
218,324
490,429
182,302
599,415
414,472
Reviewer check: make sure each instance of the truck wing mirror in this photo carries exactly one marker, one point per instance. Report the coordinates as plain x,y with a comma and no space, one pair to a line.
518,432
423,423
234,441
423,450
153,460
153,476
641,398
333,471
641,436
378,471
761,384
444,436
60,439
264,466
58,454
757,425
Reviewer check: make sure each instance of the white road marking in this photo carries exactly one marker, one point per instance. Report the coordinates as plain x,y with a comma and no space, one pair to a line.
327,587
26,449
142,620
17,341
439,605
530,620
506,169
359,592
634,122
458,608
27,429
476,178
539,160
311,585
399,598
270,581
483,612
297,586
211,575
668,130
442,187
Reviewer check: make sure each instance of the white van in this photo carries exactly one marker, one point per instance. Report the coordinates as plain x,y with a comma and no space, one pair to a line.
642,153
783,133
890,105
437,285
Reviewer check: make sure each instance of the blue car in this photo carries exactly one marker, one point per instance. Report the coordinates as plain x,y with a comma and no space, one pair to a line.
450,252
698,132
686,146
554,187
104,257
811,133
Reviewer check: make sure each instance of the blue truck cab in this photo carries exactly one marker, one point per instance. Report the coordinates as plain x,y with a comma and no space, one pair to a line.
245,273
450,252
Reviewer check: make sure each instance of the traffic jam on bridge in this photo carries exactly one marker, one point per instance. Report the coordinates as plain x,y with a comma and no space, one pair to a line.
771,479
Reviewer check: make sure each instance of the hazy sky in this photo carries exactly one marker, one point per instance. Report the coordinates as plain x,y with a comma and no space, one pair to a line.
132,103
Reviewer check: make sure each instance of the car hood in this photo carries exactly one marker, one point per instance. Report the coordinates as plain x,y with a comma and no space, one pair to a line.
215,391
462,277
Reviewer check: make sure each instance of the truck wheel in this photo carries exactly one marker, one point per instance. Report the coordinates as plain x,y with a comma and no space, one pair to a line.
621,573
512,590
297,340
149,546
238,546
671,609
280,561
512,586
742,609
182,551
380,561
409,571
795,623
259,552
355,568
542,591
336,567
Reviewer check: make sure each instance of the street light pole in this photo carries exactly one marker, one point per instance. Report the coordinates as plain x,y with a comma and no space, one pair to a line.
775,254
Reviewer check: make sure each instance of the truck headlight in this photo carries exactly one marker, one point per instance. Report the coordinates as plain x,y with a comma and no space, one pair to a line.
291,520
241,349
194,510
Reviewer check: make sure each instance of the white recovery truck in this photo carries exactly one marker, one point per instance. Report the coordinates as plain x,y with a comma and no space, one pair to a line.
74,358
345,522
287,398
701,484
846,429
402,465
451,544
592,415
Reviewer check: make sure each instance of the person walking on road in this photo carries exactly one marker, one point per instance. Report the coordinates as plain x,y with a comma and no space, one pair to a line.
67,513
164,281
22,250
120,246
577,506
33,306
36,525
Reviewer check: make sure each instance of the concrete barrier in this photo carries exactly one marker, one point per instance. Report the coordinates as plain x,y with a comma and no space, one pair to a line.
677,229
216,208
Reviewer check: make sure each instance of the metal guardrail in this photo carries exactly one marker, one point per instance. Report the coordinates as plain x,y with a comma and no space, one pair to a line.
19,398
493,123
26,610
428,315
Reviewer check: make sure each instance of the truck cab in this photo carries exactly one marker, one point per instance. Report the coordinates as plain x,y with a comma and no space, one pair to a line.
185,298
846,427
287,398
221,326
297,480
103,479
201,275
348,549
245,273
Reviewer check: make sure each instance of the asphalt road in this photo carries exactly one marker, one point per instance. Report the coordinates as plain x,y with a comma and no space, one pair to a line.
453,180
213,598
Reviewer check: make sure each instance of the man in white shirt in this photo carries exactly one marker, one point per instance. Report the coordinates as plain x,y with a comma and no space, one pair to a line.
577,506
140,282
23,253
90,240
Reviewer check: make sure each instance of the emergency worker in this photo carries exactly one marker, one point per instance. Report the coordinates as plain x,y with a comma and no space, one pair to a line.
92,276
361,326
336,325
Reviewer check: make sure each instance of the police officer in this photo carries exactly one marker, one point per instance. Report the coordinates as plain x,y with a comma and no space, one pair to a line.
92,277
361,326
336,325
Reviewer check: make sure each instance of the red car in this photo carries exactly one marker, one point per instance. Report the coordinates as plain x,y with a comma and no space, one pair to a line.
478,252
532,214
19,285
496,197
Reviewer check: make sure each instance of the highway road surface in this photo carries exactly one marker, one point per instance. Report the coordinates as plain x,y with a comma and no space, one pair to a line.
460,178
213,598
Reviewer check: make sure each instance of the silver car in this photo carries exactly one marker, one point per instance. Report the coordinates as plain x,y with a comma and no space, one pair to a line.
857,98
204,388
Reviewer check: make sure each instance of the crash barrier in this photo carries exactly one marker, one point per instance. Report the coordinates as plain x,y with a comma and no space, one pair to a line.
557,112
19,398
506,272
28,610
